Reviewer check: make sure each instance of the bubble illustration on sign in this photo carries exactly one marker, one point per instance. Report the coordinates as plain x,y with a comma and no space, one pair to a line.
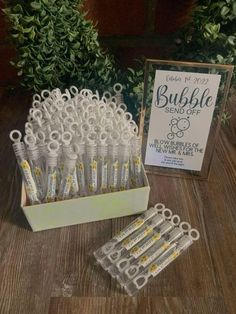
178,127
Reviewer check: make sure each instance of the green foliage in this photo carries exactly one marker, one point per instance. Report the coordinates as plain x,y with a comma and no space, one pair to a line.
57,46
211,36
133,92
134,88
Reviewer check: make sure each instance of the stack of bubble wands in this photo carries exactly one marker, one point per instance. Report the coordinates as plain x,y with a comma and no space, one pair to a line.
78,144
145,247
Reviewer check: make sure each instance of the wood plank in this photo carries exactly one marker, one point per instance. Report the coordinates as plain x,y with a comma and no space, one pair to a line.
27,271
140,305
181,305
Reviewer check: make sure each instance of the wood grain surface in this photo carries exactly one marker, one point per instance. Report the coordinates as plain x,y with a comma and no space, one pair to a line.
54,271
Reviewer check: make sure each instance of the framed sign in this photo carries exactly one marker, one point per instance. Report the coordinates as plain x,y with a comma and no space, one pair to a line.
184,103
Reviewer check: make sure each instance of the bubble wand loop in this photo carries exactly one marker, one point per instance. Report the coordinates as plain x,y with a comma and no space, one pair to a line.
118,88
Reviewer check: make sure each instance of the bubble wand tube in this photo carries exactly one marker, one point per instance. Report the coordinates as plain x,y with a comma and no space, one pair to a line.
51,171
79,147
92,163
67,177
20,152
67,150
42,147
64,149
74,129
113,150
75,183
133,226
36,164
136,166
124,163
103,163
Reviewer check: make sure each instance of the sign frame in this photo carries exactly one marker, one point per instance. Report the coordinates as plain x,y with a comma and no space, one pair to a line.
226,71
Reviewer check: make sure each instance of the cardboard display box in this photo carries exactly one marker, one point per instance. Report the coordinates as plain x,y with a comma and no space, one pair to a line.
86,209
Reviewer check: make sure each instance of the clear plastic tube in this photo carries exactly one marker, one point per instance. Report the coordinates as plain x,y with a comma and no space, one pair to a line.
103,169
60,166
103,164
64,150
20,153
92,168
124,167
80,168
136,224
51,171
42,147
121,249
67,177
36,165
113,167
75,184
136,162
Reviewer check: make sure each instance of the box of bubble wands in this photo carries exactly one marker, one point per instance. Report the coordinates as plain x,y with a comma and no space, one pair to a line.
86,209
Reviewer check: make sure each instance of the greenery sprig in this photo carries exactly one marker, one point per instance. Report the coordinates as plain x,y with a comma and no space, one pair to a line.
57,46
211,36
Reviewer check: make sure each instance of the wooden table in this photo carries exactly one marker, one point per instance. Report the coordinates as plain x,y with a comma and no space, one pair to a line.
54,271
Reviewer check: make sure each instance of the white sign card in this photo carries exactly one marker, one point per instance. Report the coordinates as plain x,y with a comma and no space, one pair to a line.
181,114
